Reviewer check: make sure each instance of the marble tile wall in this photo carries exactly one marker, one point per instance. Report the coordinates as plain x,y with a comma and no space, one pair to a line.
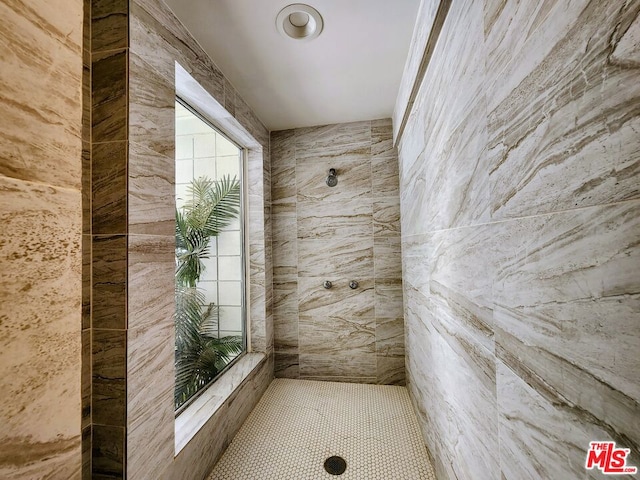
134,47
106,236
520,226
348,232
41,156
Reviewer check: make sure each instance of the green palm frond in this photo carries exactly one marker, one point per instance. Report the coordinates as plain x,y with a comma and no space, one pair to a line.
214,205
199,354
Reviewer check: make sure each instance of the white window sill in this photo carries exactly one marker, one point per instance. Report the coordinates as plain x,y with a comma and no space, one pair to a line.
189,422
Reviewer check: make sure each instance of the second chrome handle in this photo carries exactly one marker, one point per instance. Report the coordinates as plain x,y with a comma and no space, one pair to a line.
353,284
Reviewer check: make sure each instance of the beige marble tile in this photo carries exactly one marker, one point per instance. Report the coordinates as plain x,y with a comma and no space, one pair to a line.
284,227
86,282
382,139
86,24
388,298
335,335
413,196
86,188
339,301
151,193
206,447
386,217
325,219
40,138
109,96
150,347
109,24
574,142
283,148
387,257
283,188
576,270
335,237
385,177
468,431
531,424
151,108
109,188
419,41
311,141
161,39
86,452
109,282
342,364
285,316
40,308
354,179
352,258
108,452
86,95
463,272
108,371
287,365
230,97
417,258
390,370
390,337
285,258
260,331
86,381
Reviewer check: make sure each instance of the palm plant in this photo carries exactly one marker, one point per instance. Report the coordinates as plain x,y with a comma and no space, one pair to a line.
200,355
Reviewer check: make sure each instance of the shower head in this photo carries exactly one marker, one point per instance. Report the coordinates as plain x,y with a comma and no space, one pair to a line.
332,179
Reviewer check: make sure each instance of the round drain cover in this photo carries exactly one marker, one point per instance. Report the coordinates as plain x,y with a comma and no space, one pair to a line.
335,465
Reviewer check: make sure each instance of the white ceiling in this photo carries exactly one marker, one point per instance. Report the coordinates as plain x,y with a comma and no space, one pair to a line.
350,72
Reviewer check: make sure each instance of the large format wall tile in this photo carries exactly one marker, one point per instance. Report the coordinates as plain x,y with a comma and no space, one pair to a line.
109,96
42,348
331,219
133,120
336,335
519,216
40,317
109,24
570,120
563,294
109,282
151,108
350,257
40,90
531,424
109,188
353,172
151,192
342,233
108,359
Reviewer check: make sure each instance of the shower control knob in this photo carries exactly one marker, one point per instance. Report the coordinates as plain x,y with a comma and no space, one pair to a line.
327,284
353,284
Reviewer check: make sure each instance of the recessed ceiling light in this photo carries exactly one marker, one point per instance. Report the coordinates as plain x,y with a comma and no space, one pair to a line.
299,21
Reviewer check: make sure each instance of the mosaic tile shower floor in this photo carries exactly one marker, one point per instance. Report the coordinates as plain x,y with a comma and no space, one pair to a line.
298,424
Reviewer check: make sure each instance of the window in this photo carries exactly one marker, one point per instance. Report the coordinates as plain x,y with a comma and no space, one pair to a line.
210,268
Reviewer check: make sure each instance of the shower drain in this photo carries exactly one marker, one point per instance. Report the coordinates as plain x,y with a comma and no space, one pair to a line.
335,465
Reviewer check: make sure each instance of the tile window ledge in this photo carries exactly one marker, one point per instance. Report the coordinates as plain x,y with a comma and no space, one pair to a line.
191,420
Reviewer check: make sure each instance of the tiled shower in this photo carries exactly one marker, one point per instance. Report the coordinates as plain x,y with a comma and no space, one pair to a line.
350,232
492,225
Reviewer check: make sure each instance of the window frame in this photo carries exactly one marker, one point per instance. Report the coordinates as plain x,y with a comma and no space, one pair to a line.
243,157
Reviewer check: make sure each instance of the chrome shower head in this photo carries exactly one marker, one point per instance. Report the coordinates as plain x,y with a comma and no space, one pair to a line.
332,179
